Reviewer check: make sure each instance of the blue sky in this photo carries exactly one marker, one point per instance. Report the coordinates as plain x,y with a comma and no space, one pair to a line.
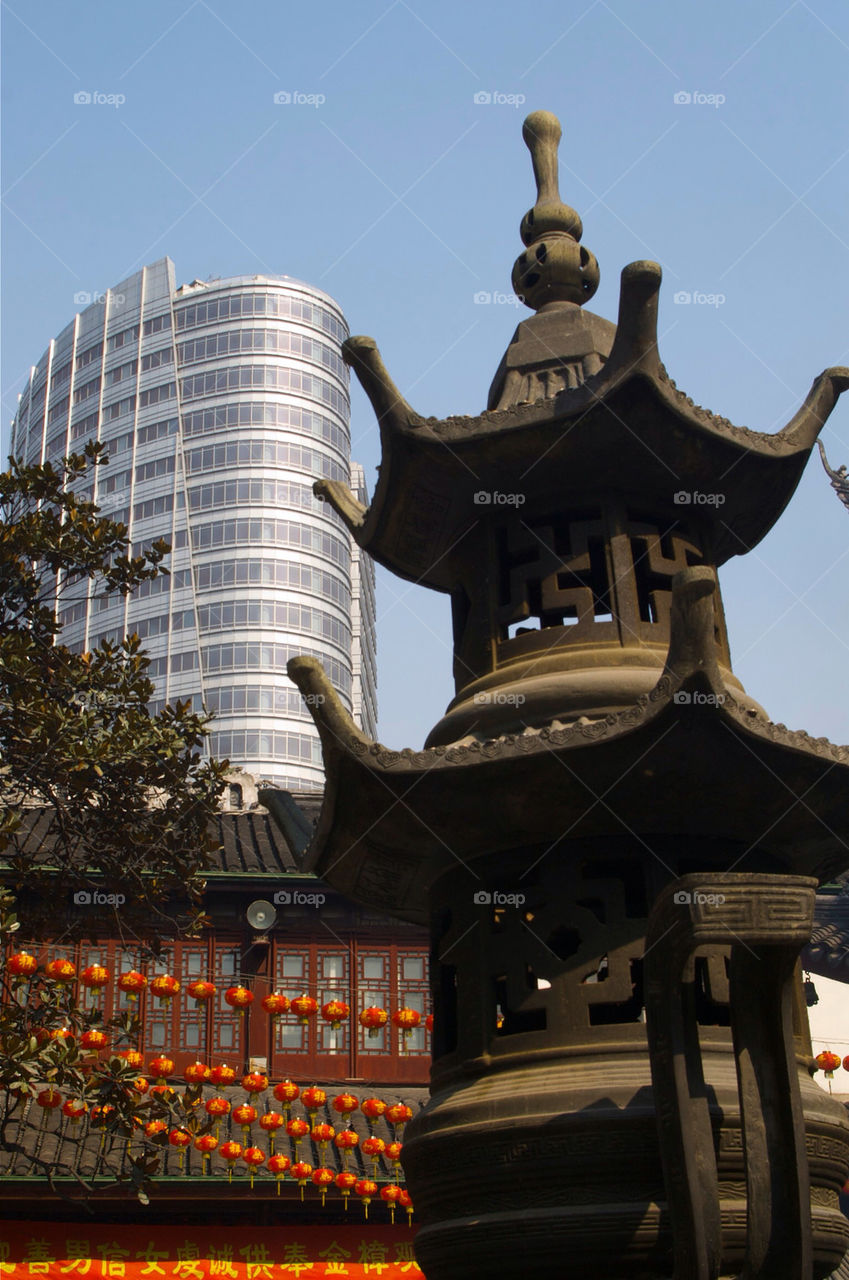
398,193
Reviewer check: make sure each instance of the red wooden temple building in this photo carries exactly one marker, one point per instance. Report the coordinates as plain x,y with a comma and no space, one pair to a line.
275,930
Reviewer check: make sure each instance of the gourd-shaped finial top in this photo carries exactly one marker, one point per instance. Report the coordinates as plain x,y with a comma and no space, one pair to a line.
555,268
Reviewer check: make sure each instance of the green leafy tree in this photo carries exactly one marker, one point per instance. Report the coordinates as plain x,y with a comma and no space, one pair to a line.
100,798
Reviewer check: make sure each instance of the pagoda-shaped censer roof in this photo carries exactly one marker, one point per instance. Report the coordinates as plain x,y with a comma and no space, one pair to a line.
687,759
577,406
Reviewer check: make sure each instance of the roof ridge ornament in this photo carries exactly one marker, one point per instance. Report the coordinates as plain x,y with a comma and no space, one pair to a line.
555,268
838,478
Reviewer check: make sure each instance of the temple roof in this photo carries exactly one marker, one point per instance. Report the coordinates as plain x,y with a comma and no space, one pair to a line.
81,1150
251,842
827,954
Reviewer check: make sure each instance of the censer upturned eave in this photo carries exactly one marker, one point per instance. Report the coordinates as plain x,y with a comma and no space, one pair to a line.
393,821
587,446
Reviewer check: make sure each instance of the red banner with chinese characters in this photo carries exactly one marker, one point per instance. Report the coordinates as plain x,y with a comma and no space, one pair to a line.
64,1251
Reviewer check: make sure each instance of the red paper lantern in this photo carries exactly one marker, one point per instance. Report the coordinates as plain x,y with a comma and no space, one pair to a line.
286,1092
22,964
297,1129
373,1019
429,1022
49,1098
302,1171
305,1007
828,1062
372,1109
335,1012
313,1098
346,1182
374,1147
390,1194
239,998
366,1190
253,1157
140,1085
165,987
398,1115
217,1107
244,1115
206,1144
406,1203
93,1039
230,1151
406,1020
161,1068
95,977
74,1110
60,971
154,1128
322,1134
179,1138
196,1072
132,983
201,991
275,1004
323,1178
393,1152
278,1166
163,1092
346,1140
61,1033
132,1057
846,1063
344,1104
255,1082
271,1122
222,1075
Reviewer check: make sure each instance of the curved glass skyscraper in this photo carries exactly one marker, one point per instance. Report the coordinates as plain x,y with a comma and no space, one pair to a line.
219,403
